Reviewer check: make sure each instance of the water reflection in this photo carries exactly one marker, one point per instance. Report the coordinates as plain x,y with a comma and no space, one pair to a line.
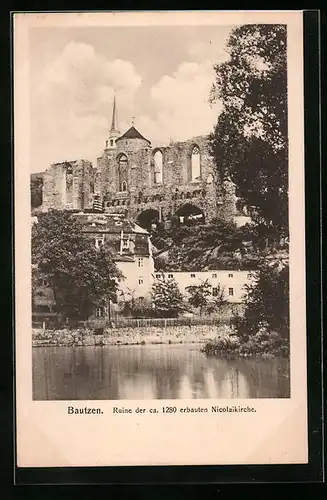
152,372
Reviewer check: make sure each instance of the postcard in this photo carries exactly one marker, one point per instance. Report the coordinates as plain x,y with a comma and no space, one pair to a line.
159,238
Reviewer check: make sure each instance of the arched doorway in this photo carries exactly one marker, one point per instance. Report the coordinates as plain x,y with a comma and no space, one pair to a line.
190,214
149,219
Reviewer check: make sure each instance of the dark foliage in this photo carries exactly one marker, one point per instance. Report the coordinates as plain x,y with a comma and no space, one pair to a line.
80,276
250,142
167,299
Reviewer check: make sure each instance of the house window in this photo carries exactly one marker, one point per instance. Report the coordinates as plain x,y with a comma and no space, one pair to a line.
192,275
230,275
170,275
125,243
249,275
111,142
99,242
124,186
99,312
230,291
215,292
214,276
158,275
140,262
140,281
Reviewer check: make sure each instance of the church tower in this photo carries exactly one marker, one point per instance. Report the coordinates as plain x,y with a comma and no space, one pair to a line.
114,130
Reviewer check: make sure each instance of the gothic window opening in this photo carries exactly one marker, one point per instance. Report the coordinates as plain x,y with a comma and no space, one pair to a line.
195,164
122,172
157,160
69,184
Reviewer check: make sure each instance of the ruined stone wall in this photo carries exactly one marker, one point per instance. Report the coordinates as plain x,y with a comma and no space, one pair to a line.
86,179
177,188
53,182
55,190
208,193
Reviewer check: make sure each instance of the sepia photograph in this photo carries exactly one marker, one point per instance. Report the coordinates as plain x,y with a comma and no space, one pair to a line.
159,238
159,212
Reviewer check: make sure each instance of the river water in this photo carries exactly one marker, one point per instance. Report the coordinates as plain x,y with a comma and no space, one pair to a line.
153,372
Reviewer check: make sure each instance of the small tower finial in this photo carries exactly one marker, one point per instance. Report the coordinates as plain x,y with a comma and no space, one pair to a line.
133,121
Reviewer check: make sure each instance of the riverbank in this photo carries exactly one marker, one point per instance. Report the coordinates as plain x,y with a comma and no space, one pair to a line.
127,336
263,344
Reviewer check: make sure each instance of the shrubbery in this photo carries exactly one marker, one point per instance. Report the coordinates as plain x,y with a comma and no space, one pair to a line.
262,343
264,328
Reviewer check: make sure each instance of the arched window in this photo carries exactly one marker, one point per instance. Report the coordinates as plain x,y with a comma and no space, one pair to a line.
69,184
195,164
122,173
157,159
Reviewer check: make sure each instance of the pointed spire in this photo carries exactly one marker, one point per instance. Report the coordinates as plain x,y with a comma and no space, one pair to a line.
114,122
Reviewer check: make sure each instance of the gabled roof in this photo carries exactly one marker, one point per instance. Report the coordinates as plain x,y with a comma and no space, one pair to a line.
106,223
132,133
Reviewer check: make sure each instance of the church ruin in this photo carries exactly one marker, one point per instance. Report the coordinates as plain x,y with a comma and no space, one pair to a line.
146,184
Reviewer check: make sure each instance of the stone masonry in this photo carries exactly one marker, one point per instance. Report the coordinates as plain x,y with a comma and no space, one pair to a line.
177,188
68,185
141,182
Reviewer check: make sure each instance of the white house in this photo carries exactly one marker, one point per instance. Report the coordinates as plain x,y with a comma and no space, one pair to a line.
233,282
131,248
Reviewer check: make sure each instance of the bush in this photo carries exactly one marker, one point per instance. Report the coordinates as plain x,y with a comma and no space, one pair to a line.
222,346
263,343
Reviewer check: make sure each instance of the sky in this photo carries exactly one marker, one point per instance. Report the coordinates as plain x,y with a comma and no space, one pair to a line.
162,76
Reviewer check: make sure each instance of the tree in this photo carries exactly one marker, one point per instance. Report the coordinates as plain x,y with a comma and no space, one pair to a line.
81,276
199,295
130,305
167,298
36,190
267,303
220,296
250,142
219,299
218,244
